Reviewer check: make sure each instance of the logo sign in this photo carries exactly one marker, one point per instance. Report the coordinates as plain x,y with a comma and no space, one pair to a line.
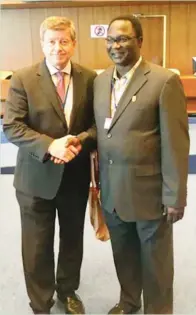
99,31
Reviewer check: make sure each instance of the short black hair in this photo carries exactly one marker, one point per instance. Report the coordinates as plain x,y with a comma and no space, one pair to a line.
134,20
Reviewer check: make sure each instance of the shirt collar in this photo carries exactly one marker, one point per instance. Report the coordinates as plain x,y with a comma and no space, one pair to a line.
53,70
130,72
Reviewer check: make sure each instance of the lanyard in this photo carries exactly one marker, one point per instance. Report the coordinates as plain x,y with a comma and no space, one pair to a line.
115,104
123,87
66,94
113,93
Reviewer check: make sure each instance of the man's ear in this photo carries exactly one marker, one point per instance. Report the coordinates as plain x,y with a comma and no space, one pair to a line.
140,41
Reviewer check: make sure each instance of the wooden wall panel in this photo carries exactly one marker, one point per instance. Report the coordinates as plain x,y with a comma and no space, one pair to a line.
191,42
85,43
36,18
15,37
178,36
20,34
53,11
152,48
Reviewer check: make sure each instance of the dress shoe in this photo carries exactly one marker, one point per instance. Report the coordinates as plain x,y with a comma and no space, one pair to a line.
46,311
73,304
118,309
41,312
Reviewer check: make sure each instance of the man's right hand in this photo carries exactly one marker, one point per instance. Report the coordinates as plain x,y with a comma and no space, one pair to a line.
174,214
65,149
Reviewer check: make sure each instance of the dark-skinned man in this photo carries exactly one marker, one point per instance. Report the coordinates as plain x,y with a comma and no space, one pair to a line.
143,146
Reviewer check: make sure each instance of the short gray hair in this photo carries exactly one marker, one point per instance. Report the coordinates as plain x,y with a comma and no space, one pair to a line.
57,23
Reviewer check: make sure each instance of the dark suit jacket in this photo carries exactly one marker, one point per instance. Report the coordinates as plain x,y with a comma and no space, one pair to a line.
34,117
144,154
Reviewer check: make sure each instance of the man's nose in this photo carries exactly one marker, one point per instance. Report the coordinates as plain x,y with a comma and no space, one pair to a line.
57,46
115,44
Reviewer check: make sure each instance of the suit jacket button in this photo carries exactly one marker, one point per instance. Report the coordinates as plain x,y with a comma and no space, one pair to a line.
110,162
109,135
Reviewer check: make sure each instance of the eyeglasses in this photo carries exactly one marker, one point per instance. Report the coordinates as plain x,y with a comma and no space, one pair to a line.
63,43
121,40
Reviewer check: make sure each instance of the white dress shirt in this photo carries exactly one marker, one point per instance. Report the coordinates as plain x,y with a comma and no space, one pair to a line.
120,84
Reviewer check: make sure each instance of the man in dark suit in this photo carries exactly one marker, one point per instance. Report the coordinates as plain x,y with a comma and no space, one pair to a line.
49,116
143,144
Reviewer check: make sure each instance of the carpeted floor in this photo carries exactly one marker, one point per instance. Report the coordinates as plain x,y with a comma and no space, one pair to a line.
99,288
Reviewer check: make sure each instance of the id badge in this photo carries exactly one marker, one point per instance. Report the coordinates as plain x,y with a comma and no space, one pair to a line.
107,123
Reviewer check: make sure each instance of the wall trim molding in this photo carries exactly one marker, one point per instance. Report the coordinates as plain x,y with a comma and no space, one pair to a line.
80,3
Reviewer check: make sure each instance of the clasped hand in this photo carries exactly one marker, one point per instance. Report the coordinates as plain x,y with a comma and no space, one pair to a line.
65,149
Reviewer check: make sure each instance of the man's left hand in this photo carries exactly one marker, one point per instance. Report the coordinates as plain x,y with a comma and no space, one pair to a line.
174,214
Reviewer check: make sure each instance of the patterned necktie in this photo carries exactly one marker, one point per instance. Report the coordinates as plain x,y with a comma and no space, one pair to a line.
61,85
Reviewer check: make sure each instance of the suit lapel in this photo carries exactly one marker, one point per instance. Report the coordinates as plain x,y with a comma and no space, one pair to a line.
138,80
49,89
78,93
107,92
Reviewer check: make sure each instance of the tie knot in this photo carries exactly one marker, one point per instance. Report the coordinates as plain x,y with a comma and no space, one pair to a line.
60,75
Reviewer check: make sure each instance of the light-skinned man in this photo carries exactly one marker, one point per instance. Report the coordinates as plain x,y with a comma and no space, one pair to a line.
48,105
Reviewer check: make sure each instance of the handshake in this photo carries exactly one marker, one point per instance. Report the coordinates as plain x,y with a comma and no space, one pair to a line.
64,149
